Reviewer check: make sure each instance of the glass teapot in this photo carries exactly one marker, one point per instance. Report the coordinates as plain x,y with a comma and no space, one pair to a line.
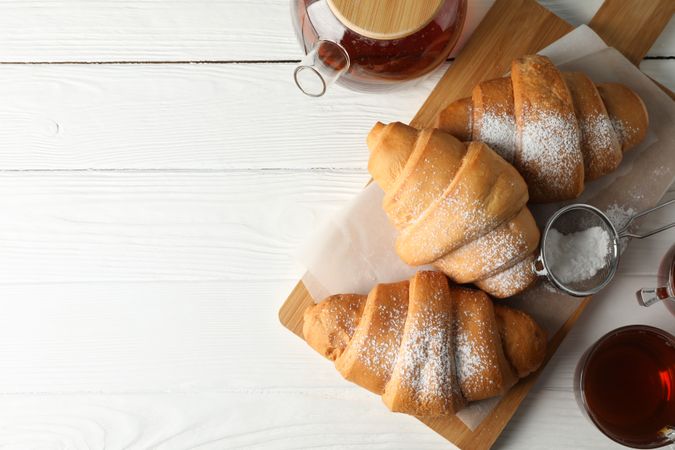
371,44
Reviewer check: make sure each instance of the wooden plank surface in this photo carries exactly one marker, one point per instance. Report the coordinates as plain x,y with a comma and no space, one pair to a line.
128,226
632,26
194,342
144,245
643,22
187,30
135,391
193,117
206,116
81,227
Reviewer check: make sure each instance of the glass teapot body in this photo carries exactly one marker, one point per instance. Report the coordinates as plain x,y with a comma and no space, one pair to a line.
339,50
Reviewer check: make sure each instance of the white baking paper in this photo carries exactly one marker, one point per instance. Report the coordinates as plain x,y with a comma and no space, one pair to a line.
355,250
366,248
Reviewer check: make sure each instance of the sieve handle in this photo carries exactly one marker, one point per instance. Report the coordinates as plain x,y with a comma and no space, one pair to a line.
623,232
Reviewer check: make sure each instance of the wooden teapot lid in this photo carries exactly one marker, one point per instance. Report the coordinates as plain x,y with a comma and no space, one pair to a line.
385,19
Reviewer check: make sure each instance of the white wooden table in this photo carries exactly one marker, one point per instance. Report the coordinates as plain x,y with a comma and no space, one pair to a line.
158,170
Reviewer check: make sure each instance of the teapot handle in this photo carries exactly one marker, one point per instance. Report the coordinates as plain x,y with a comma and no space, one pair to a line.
321,67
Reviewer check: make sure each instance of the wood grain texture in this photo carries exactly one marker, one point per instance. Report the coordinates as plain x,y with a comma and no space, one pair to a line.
189,30
163,365
490,50
205,421
385,19
144,363
73,227
185,117
144,337
80,226
478,60
201,117
198,117
146,30
193,336
632,26
145,244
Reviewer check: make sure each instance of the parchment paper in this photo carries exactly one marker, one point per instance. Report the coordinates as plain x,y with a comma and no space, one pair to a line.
355,250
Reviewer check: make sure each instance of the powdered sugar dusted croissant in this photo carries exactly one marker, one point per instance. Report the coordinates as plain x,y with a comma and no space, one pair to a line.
558,129
428,347
459,207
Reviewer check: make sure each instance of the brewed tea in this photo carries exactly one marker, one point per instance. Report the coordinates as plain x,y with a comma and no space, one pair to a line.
628,384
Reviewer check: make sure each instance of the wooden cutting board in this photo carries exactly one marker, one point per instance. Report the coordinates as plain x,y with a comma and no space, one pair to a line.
510,29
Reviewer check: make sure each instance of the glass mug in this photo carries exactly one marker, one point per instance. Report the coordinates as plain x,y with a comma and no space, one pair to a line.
624,384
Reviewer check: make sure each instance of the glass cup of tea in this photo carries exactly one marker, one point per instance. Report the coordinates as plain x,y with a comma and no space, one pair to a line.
625,384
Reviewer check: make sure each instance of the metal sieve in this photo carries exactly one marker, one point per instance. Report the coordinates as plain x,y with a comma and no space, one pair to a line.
577,218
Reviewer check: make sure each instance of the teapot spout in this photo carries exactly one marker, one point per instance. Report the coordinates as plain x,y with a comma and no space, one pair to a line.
324,64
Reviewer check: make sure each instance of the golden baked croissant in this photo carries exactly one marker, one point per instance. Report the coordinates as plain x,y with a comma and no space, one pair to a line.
558,129
460,207
428,347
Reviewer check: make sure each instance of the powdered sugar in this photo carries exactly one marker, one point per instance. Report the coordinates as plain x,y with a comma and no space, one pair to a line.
377,352
577,256
600,142
550,153
427,364
625,132
486,255
378,356
498,131
510,281
469,218
469,358
436,357
619,215
345,312
498,248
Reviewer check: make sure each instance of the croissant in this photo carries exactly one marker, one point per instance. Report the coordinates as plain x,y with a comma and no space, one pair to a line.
559,129
459,207
426,346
